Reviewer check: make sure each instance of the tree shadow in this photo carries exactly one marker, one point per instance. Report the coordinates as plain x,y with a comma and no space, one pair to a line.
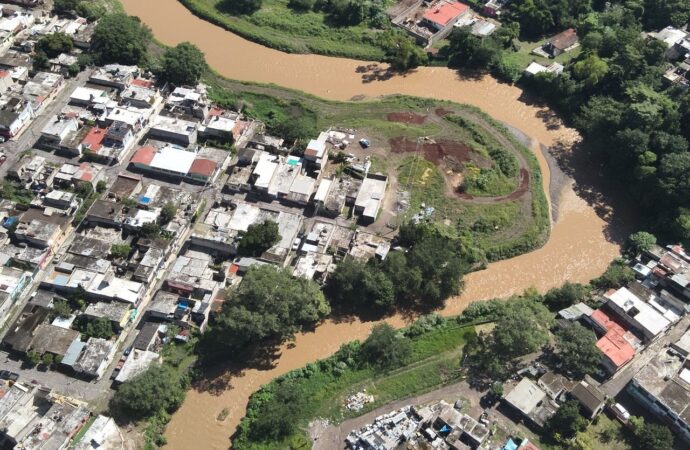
464,74
609,198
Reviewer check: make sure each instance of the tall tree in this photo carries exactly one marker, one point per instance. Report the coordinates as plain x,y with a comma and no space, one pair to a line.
385,347
522,329
268,307
183,64
158,389
577,350
119,38
258,238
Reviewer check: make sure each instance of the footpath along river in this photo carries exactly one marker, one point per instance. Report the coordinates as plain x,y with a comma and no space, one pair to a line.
577,250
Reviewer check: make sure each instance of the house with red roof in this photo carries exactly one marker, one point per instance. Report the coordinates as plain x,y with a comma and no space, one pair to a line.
618,345
433,21
444,14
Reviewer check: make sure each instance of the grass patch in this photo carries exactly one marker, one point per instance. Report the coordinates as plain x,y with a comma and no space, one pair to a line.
80,434
522,56
322,387
15,193
277,26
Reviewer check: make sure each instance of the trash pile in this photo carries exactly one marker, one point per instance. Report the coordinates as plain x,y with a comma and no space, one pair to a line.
356,402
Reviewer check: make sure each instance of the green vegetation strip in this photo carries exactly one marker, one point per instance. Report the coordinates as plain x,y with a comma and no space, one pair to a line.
289,403
277,26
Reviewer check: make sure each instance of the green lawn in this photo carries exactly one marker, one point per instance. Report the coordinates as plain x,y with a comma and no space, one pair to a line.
277,26
523,56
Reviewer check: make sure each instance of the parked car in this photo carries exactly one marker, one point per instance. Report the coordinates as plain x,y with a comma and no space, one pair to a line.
364,143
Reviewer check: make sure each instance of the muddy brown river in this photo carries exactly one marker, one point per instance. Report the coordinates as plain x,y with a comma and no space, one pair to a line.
577,249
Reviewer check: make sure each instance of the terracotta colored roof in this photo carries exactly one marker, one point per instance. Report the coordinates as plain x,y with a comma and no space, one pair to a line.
616,348
142,83
4,73
144,155
443,14
215,111
607,322
94,138
203,166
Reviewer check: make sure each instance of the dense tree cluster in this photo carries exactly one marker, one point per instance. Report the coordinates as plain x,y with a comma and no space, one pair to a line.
424,276
183,64
522,327
268,307
577,350
612,91
385,347
53,44
119,38
346,12
158,389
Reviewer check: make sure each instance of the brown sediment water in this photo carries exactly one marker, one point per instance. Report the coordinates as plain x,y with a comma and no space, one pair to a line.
577,249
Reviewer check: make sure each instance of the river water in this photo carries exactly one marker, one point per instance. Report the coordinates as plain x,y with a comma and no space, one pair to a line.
577,250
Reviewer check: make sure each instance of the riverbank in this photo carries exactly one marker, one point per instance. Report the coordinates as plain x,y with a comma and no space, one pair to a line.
277,26
579,248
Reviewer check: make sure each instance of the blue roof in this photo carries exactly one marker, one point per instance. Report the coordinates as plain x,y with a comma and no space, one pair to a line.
510,445
144,199
73,353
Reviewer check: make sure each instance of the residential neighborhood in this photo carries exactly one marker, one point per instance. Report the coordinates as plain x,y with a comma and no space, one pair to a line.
195,258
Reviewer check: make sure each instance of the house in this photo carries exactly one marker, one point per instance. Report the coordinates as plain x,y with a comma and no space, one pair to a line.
114,75
138,96
60,134
617,344
444,14
147,338
105,213
592,400
136,363
27,169
12,284
72,175
535,68
42,89
638,314
317,151
117,313
103,434
15,114
190,275
33,417
370,197
531,402
119,135
662,387
553,384
52,339
95,358
493,8
190,102
42,229
676,41
88,97
561,43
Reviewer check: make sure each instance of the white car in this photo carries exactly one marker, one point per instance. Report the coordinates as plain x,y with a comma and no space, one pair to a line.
620,412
